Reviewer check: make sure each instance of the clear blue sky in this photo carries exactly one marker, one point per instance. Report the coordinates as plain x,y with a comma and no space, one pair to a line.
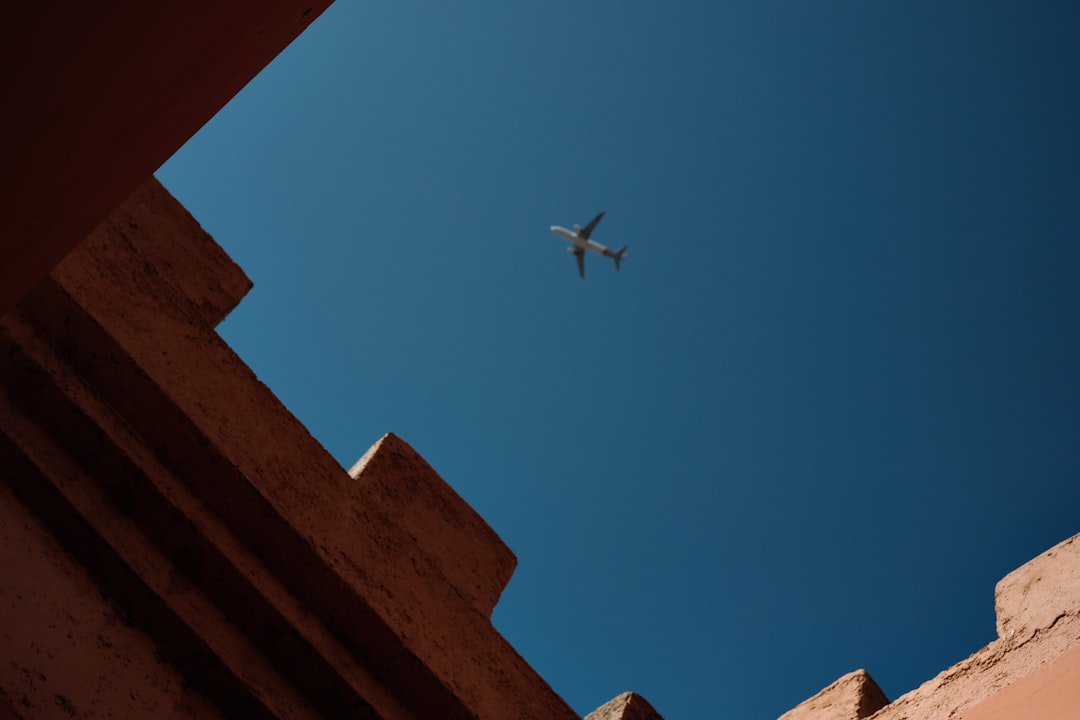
829,401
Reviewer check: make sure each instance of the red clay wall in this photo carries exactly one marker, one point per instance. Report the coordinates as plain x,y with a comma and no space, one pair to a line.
1031,672
66,650
194,530
628,706
1052,692
174,543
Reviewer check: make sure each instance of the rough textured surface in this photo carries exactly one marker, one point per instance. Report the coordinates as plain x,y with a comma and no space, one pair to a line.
197,270
277,584
1028,672
853,697
628,706
1050,693
66,651
1039,593
418,510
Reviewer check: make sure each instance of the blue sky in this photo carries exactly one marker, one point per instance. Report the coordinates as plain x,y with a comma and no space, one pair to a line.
829,401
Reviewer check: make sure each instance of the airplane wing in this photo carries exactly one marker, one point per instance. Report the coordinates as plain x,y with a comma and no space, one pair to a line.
580,255
586,231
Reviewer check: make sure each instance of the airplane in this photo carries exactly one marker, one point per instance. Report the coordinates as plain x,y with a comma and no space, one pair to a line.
579,236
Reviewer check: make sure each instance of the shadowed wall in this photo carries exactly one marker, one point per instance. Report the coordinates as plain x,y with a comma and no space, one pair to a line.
97,95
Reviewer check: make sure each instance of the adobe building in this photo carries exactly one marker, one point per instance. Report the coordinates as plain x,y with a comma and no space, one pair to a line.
173,542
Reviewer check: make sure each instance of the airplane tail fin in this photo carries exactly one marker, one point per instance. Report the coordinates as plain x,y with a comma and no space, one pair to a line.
618,256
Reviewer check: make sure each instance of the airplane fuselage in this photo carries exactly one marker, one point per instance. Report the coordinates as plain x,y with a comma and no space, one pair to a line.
579,241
